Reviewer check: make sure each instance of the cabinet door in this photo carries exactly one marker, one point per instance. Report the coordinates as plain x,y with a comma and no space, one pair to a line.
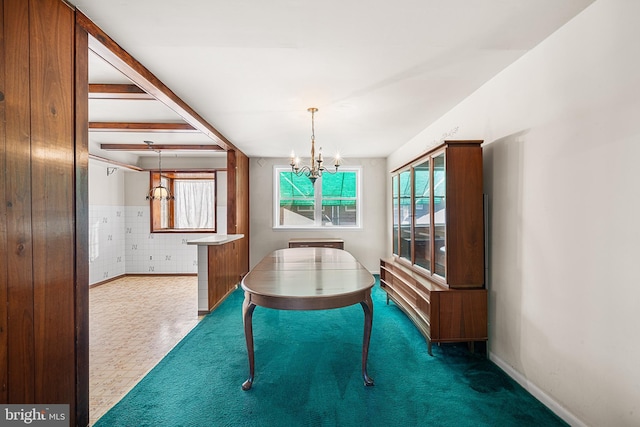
422,214
439,214
395,189
406,216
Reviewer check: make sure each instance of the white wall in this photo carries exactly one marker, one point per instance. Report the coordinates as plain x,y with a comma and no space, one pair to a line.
106,222
119,220
366,244
562,132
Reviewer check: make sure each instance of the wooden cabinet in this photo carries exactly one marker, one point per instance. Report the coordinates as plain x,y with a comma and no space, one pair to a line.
437,272
316,243
441,313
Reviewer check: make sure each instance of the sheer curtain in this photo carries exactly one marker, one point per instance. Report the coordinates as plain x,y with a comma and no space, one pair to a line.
194,203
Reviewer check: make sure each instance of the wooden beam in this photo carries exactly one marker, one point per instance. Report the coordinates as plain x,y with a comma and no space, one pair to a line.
113,162
140,127
160,147
117,91
105,47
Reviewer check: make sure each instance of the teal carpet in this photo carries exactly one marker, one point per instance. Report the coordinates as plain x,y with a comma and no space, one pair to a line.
308,374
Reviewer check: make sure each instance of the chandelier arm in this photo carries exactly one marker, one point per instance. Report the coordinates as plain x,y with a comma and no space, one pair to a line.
316,168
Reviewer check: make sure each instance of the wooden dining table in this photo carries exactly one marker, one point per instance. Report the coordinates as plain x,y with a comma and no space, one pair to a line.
307,279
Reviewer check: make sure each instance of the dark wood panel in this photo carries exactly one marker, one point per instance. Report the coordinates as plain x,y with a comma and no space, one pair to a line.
81,415
463,314
222,272
465,229
21,341
52,83
4,367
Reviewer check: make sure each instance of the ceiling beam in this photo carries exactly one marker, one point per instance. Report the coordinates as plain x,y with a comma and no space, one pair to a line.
160,147
106,48
116,91
140,127
116,163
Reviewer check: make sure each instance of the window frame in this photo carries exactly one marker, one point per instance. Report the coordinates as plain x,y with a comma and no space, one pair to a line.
155,217
317,223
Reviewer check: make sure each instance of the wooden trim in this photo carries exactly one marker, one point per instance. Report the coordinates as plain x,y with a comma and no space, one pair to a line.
168,172
81,203
105,47
4,244
238,204
457,143
104,282
117,91
160,147
231,192
122,276
140,127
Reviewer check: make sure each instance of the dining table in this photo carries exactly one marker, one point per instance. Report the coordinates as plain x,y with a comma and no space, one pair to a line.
307,279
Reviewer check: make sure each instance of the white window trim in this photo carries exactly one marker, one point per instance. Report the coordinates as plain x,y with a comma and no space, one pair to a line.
318,220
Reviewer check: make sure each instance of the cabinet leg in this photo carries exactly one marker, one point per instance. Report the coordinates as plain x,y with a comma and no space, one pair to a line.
429,347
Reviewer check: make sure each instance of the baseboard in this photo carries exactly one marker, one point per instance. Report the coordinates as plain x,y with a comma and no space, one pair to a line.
535,391
104,282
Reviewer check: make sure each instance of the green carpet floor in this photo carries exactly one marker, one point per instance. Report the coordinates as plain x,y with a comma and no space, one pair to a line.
308,374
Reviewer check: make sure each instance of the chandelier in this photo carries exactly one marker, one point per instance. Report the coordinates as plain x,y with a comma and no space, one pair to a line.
159,192
315,169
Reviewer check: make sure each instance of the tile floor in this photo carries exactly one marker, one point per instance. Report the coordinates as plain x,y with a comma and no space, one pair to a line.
133,323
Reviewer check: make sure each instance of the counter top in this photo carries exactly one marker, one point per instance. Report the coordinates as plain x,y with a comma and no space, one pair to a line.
216,239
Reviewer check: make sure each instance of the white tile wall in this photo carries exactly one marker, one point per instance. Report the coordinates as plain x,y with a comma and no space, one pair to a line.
120,243
106,242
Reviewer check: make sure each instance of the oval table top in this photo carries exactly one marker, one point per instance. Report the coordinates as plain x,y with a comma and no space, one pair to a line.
307,279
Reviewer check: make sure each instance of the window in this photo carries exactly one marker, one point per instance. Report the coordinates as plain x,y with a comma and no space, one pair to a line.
194,206
334,200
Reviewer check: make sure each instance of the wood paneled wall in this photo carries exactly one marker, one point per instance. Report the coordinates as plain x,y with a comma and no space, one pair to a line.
44,345
43,213
238,204
222,271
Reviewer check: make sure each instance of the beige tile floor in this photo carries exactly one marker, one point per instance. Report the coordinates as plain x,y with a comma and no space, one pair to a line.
133,323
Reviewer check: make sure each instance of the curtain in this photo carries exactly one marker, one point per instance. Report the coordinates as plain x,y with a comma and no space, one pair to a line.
194,203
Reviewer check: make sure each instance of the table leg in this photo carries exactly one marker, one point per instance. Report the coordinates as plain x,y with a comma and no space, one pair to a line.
367,306
247,315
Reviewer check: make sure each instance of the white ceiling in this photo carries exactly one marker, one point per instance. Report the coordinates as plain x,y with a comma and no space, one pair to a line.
379,71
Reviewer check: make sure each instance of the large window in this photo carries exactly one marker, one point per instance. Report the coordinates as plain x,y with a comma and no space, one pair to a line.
194,206
333,201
